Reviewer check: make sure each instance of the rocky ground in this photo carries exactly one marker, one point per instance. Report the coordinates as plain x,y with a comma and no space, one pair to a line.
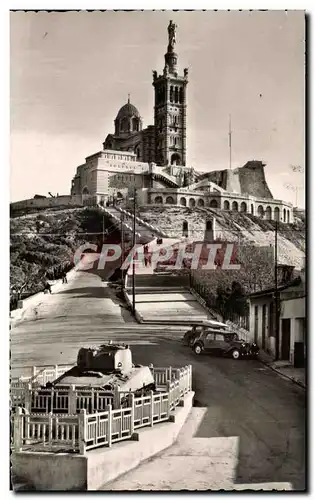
243,228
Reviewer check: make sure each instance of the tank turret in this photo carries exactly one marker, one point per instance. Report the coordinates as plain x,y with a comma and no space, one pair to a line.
106,358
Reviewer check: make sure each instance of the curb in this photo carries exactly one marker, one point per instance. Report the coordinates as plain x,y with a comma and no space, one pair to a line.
266,363
138,316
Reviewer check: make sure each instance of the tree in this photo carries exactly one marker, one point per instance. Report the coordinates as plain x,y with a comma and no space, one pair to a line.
24,277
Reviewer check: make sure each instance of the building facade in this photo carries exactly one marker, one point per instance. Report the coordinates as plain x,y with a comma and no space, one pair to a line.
153,159
291,317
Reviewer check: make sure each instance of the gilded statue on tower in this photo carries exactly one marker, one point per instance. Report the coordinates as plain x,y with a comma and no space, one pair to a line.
171,35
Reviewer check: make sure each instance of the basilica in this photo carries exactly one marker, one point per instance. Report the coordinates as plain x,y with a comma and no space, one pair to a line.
152,159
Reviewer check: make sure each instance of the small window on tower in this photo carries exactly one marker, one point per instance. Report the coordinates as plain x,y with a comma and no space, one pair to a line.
172,94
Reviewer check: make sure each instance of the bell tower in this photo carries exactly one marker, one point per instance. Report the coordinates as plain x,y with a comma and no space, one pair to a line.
170,108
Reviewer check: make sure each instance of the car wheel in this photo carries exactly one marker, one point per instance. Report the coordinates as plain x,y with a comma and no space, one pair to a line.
235,354
197,349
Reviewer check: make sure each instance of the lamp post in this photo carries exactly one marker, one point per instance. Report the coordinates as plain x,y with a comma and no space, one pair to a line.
276,292
122,246
133,246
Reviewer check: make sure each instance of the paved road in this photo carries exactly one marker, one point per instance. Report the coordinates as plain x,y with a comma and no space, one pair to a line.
242,398
84,312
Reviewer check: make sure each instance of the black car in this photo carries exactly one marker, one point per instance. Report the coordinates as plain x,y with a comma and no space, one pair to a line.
223,343
198,328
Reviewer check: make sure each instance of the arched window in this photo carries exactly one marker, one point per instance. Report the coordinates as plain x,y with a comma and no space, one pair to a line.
183,202
277,214
252,209
192,202
124,127
181,95
135,124
213,204
85,190
268,213
119,195
137,151
226,205
201,203
175,159
185,228
243,207
260,211
158,200
288,215
235,206
176,94
170,200
172,94
284,215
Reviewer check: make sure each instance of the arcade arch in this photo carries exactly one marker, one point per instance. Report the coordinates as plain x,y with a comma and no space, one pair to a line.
183,202
170,200
226,205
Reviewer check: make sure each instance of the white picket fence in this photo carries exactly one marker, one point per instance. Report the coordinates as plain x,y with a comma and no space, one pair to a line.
42,375
85,431
35,399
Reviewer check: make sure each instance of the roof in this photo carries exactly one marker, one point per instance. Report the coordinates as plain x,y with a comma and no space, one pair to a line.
267,291
128,110
214,324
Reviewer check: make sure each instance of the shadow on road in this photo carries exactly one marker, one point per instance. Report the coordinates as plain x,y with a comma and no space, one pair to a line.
266,412
97,292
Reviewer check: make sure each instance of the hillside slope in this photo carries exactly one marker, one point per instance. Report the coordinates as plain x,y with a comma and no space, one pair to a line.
243,228
42,245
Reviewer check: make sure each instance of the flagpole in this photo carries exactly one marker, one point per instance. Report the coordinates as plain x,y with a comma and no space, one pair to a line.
230,141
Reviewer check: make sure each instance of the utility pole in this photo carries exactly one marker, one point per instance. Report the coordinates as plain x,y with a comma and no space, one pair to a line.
133,246
122,245
230,141
276,292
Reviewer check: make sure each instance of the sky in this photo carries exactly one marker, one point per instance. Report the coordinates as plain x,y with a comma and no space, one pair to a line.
70,72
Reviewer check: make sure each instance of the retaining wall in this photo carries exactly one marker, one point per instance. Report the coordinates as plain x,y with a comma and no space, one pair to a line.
69,472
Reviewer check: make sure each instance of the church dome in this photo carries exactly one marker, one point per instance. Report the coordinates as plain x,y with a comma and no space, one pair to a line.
128,111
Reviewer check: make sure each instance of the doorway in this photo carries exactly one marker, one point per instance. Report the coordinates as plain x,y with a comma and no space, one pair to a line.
286,337
263,332
256,326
